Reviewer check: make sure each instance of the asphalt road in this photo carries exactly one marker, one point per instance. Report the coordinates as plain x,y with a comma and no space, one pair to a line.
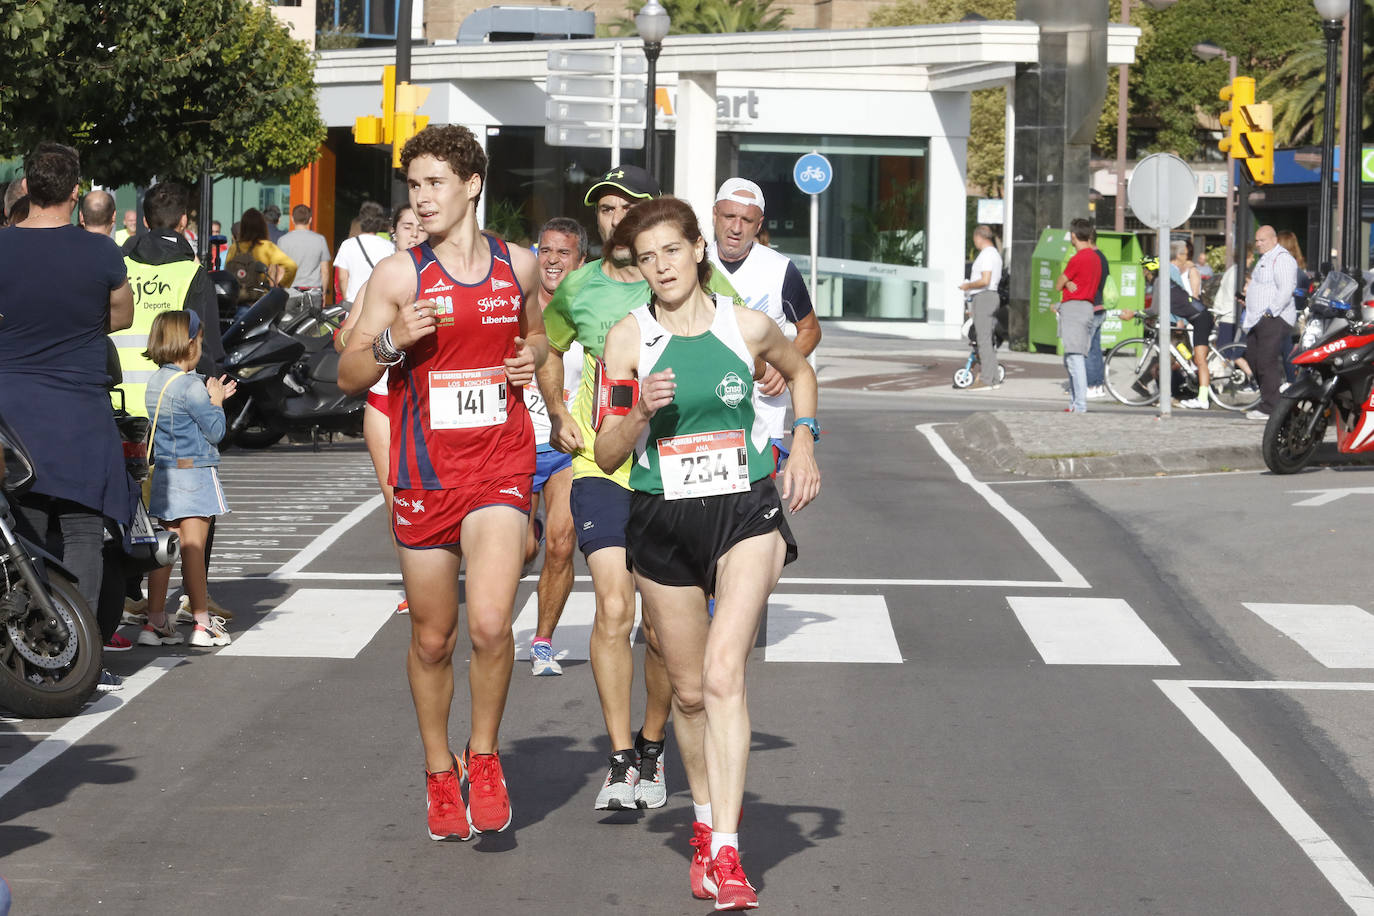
969,696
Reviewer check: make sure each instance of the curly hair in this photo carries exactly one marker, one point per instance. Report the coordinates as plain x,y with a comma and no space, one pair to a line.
452,144
666,209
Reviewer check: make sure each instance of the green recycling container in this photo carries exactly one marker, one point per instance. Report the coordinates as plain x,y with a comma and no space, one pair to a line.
1125,287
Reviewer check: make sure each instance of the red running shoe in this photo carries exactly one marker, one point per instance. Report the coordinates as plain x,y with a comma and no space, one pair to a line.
118,643
447,818
488,802
701,859
726,882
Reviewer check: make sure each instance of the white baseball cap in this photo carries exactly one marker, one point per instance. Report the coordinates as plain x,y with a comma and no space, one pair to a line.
741,191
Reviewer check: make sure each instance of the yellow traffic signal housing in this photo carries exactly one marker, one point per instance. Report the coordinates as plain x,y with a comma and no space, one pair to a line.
370,129
1256,125
1240,93
407,122
367,130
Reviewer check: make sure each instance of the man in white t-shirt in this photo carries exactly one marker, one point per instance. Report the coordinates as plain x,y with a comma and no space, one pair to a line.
358,255
562,249
309,250
768,282
981,291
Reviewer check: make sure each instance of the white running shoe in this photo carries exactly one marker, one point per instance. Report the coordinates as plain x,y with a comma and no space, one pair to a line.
210,637
167,635
185,616
1195,404
1097,393
542,662
652,789
618,791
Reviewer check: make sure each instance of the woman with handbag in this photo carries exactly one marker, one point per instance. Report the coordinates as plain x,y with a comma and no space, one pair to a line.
185,492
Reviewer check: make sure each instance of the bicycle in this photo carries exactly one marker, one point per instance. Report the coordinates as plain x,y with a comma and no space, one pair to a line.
1132,371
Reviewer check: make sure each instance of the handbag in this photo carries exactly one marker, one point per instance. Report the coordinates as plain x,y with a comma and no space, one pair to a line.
152,428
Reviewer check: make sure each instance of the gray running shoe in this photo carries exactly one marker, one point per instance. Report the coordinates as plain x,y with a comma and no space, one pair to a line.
652,789
618,791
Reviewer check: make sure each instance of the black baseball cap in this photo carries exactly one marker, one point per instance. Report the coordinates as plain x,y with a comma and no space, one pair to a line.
630,180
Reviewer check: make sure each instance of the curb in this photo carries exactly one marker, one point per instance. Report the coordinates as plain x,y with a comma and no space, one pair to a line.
986,439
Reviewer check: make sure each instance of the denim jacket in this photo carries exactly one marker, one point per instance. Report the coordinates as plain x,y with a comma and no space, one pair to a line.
188,424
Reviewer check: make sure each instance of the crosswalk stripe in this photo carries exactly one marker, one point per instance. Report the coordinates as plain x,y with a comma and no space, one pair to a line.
830,628
1089,631
572,639
317,623
1337,635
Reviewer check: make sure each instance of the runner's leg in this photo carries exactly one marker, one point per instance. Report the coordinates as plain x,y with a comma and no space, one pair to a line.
377,435
431,583
493,536
556,578
658,689
679,617
745,577
613,663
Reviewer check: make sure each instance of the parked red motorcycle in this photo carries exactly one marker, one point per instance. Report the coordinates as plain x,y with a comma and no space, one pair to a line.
1337,363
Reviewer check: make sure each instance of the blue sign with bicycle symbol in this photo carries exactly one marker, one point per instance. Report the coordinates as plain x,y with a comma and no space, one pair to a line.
812,173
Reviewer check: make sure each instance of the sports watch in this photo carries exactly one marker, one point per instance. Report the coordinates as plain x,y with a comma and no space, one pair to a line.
811,424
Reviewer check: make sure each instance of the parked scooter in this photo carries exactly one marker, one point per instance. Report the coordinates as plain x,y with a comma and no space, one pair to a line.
280,352
50,647
1337,363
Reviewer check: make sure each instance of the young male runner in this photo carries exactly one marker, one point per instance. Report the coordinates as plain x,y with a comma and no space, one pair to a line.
585,307
451,321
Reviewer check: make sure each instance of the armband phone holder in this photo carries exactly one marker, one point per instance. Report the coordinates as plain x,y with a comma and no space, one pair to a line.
614,397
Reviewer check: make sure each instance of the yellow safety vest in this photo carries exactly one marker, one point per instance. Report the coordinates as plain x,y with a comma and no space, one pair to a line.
157,288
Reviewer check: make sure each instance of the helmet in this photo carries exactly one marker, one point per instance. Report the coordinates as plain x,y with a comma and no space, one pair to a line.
1150,262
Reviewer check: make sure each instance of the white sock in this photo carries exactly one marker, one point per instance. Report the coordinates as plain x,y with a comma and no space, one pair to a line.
702,813
720,840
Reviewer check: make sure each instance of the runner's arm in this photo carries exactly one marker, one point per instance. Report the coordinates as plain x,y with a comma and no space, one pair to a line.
533,343
564,434
616,438
801,476
350,321
390,305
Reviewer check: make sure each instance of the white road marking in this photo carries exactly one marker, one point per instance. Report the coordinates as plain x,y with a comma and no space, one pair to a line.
573,637
1069,577
1337,635
326,538
317,623
1089,631
1330,495
1348,881
81,725
830,628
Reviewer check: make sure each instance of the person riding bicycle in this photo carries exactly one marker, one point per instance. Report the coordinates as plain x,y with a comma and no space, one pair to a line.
1185,309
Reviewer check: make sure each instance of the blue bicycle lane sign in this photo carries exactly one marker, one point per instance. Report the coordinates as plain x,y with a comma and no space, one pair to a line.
812,173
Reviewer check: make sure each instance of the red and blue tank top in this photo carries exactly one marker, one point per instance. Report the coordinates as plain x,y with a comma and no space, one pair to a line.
454,418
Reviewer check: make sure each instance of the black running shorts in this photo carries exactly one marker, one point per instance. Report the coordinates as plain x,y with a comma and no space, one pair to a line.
678,542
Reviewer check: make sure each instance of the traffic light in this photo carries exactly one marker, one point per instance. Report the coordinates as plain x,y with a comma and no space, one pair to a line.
1257,141
407,123
1239,93
1250,129
370,129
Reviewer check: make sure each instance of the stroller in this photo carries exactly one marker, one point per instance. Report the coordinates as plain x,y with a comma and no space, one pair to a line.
965,374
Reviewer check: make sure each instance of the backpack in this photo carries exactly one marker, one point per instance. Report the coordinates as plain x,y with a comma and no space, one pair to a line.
251,275
1182,304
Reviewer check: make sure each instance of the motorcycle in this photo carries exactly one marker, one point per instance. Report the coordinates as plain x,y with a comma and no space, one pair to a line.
281,353
50,646
1337,362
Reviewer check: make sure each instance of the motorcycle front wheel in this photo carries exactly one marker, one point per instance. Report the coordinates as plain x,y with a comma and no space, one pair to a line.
42,677
1287,446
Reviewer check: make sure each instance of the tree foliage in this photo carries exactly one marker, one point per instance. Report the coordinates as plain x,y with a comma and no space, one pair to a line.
1169,85
1297,89
988,112
709,17
146,88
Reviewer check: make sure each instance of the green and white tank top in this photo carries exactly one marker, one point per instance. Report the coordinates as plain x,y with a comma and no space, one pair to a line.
708,441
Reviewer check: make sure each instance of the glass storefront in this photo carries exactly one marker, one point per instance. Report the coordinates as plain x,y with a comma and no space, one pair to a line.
872,239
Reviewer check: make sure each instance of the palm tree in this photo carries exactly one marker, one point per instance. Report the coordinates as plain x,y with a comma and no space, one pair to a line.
1297,90
709,17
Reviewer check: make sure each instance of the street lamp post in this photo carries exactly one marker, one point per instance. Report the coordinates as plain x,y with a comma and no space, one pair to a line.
1351,236
1122,99
652,22
1206,50
1332,12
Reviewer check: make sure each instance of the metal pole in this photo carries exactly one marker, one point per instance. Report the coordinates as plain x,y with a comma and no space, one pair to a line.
1331,28
207,184
815,240
1231,182
651,49
1351,235
1338,233
1121,100
403,17
1243,234
616,71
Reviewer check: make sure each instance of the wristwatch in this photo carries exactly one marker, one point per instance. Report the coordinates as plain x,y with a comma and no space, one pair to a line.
811,424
